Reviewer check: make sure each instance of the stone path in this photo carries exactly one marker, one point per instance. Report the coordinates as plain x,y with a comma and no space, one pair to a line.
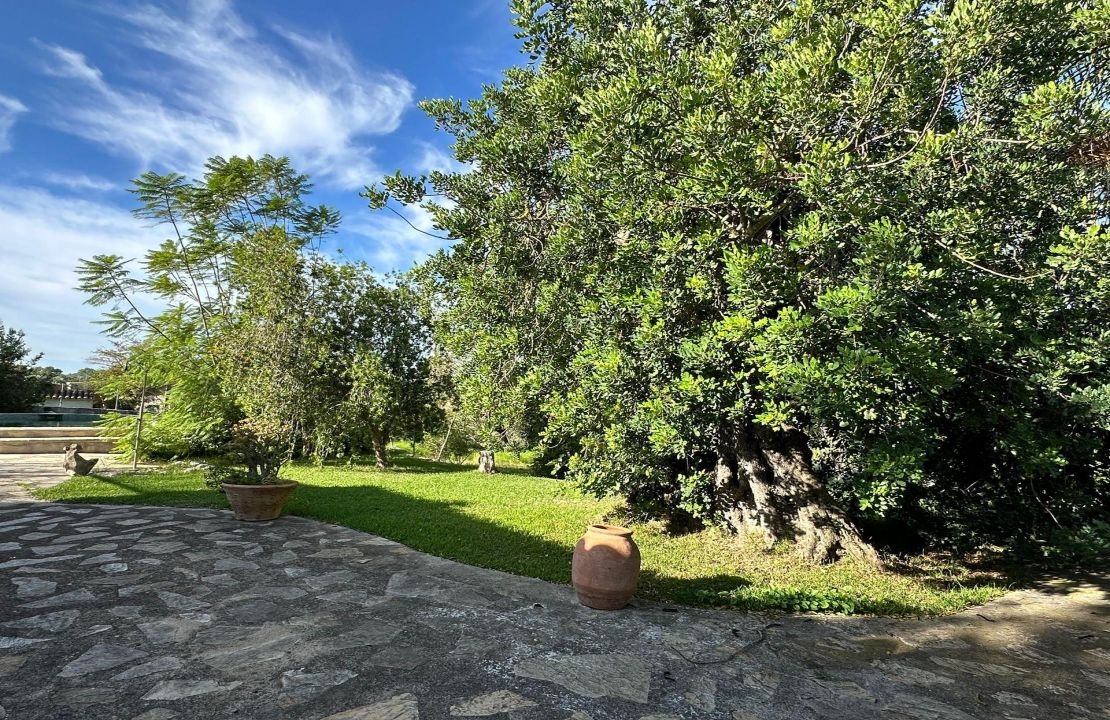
154,613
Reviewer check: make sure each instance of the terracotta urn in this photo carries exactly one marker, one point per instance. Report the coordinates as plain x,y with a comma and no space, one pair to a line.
254,503
606,567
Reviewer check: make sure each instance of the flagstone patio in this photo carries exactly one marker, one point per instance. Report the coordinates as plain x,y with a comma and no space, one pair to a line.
155,613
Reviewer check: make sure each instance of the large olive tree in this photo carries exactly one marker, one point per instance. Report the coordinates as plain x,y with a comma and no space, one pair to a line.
794,265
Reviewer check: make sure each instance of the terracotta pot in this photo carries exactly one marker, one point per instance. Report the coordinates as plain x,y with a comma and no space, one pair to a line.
606,567
253,503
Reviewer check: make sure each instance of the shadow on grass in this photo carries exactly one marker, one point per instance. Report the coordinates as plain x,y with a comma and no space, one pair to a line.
436,527
446,529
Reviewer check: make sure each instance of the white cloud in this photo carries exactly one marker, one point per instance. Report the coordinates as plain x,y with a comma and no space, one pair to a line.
79,181
395,243
225,90
42,236
10,109
432,158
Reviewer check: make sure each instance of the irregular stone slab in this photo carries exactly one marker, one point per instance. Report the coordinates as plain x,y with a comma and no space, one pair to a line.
157,665
242,650
73,597
83,696
113,567
398,707
339,577
14,643
494,703
50,622
281,592
9,546
176,601
282,557
103,558
159,547
101,547
33,587
378,633
298,685
131,612
475,646
96,630
180,689
354,597
435,589
593,676
338,553
402,657
157,714
25,562
254,612
100,657
11,663
223,580
923,708
234,564
702,694
50,549
171,630
204,556
972,668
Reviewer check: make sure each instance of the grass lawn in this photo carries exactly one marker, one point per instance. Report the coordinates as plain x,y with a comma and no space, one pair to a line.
528,526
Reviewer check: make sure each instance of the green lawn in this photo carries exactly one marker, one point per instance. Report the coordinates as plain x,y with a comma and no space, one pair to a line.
528,525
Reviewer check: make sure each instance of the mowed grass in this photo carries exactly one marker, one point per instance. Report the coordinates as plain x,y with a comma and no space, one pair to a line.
528,525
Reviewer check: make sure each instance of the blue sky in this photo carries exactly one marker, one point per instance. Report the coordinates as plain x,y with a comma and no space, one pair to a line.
92,96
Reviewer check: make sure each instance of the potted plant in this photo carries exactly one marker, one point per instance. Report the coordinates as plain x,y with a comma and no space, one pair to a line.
256,493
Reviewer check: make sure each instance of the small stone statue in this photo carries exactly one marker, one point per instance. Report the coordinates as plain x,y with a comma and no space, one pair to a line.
75,464
487,462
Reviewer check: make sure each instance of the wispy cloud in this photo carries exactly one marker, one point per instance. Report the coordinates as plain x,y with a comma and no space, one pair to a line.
225,89
78,181
10,109
391,242
43,235
432,158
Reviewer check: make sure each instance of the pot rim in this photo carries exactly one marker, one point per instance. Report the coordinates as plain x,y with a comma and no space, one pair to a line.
609,530
282,484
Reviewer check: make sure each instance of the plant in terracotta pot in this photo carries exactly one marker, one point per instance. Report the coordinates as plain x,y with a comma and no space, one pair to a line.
261,447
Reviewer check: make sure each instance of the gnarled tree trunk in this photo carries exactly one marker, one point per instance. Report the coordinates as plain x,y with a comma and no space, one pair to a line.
380,442
766,482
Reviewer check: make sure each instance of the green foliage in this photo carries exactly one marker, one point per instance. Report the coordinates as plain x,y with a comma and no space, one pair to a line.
881,225
262,446
21,383
258,324
216,475
1084,546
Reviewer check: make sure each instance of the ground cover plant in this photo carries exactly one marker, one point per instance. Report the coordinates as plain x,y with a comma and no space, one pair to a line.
527,525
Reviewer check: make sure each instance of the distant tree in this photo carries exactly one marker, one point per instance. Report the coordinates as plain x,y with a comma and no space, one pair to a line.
793,266
50,374
84,375
22,385
259,323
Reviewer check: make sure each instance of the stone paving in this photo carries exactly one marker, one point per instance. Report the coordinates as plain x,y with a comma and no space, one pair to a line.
157,613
